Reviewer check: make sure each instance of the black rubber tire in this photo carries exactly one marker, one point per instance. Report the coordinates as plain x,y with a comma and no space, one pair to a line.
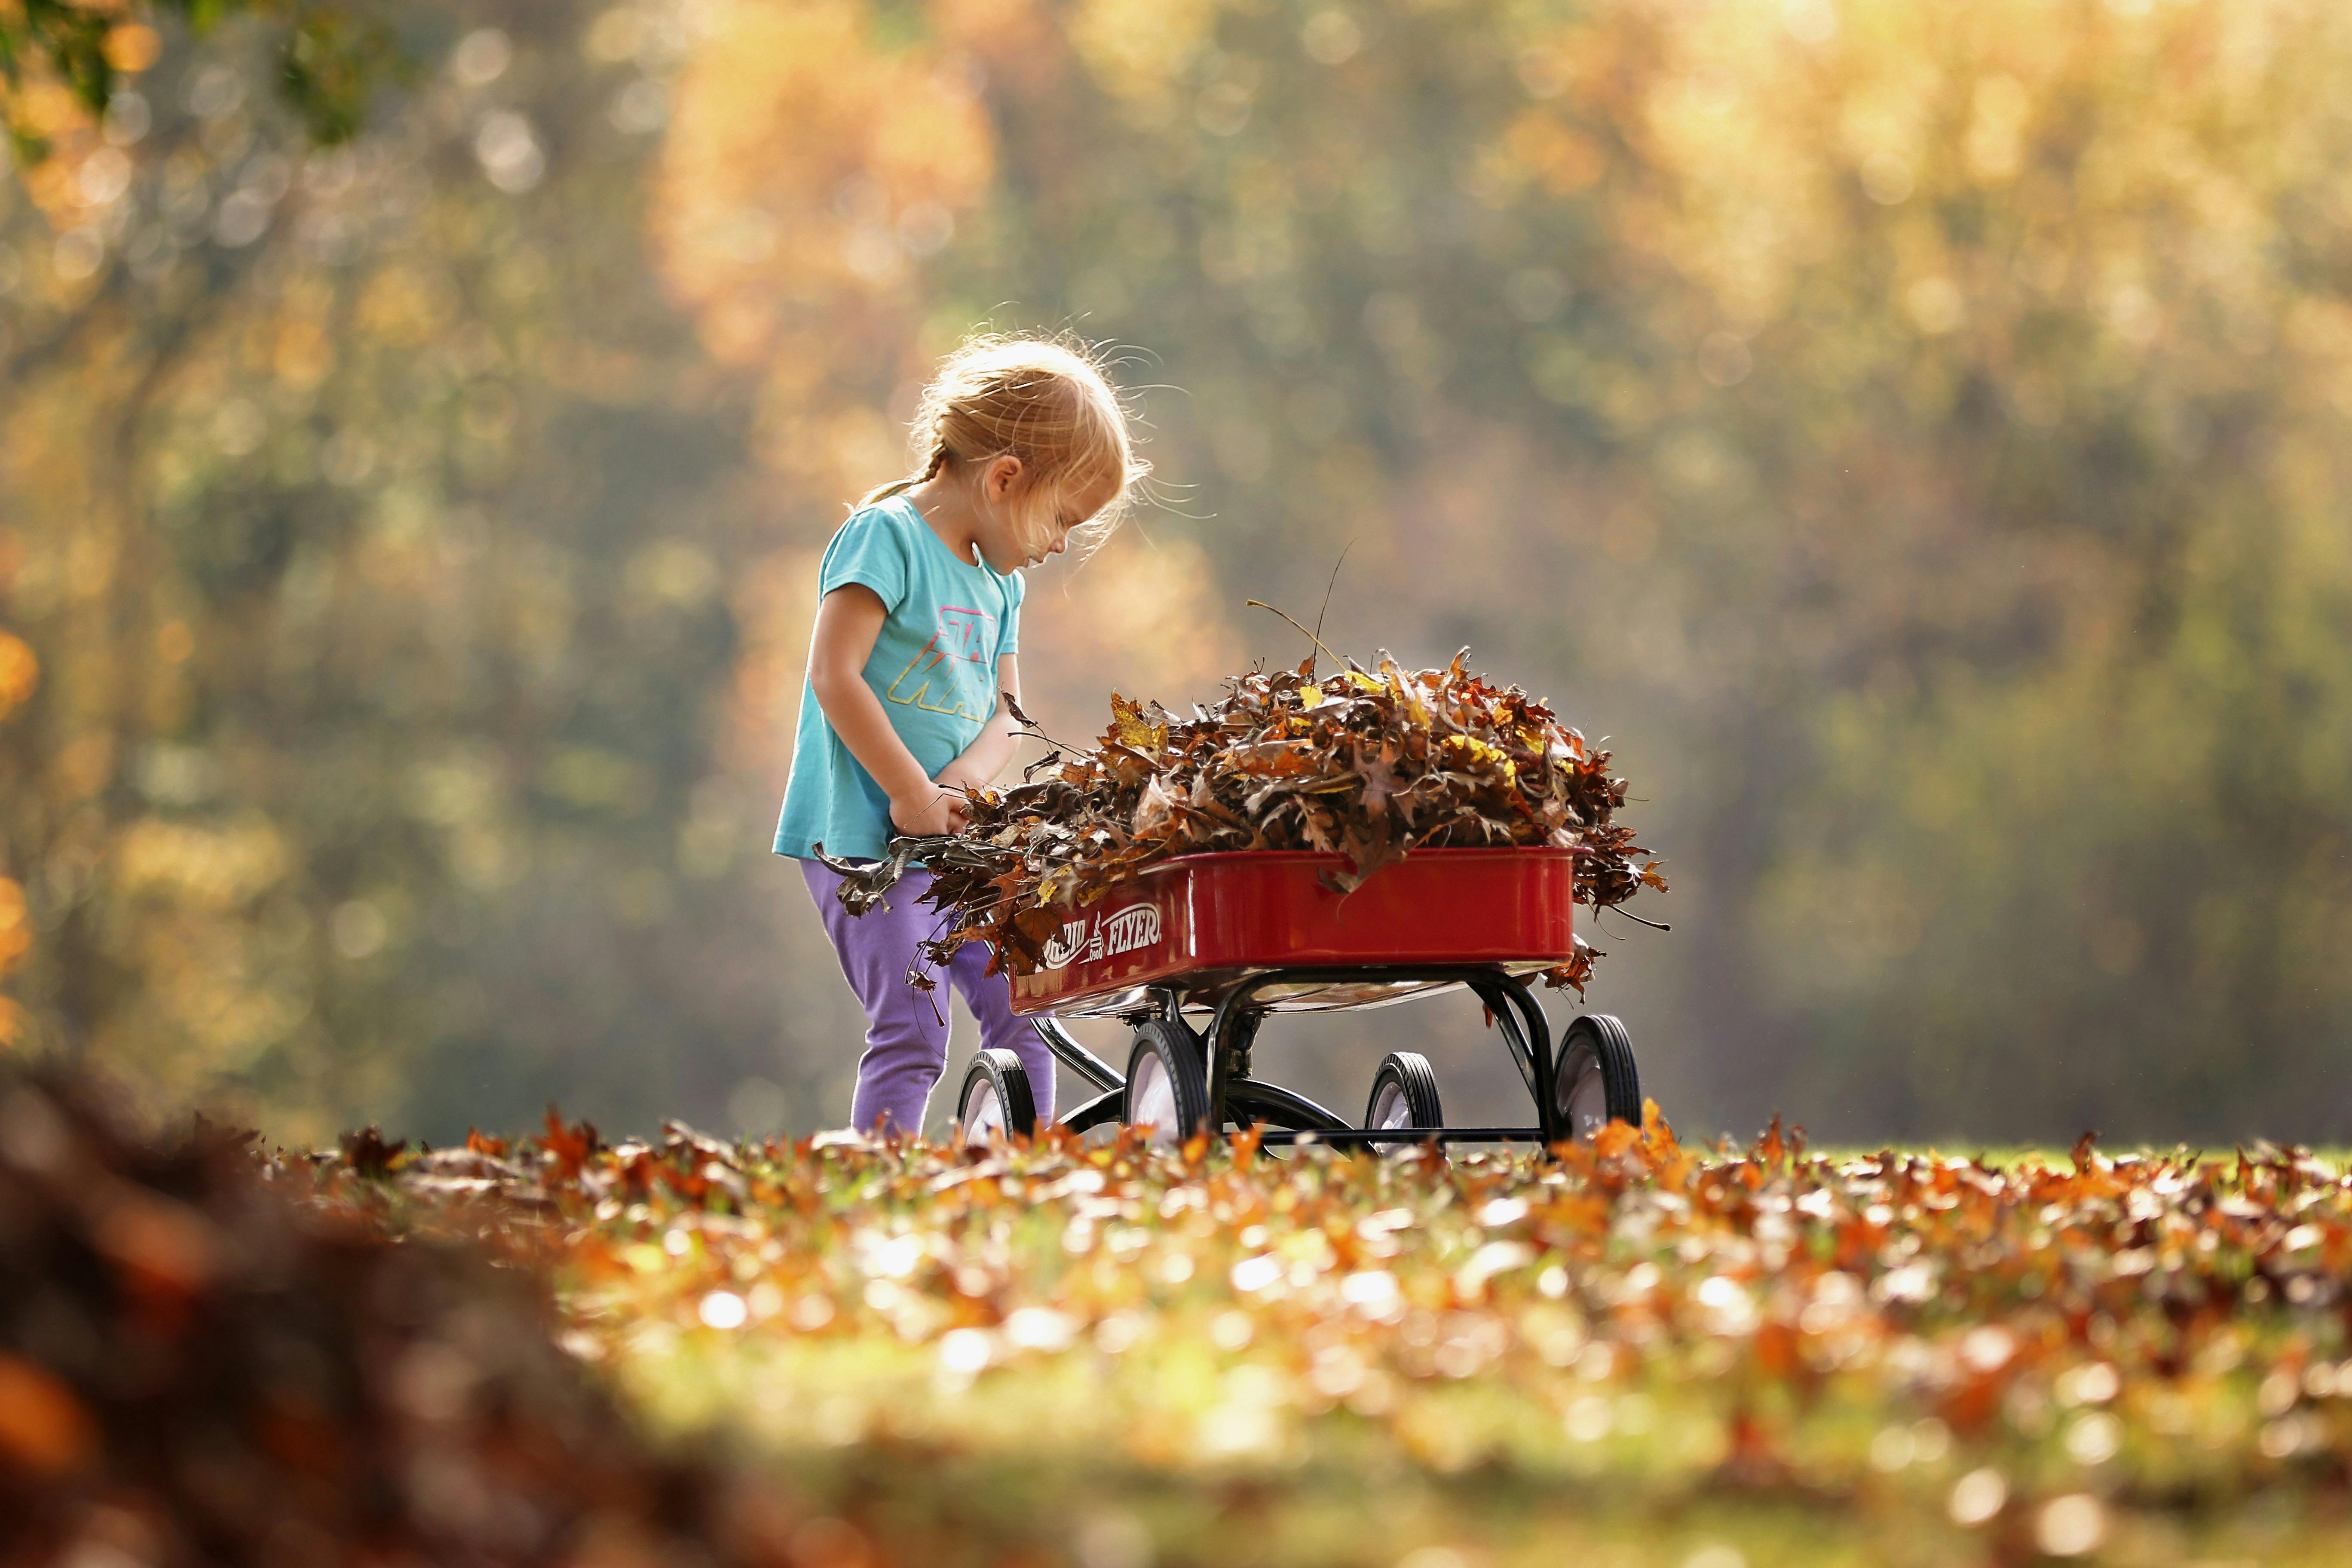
1596,1043
1001,1073
1173,1053
1413,1077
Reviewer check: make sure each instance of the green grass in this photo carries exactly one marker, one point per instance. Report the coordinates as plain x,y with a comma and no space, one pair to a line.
1114,1357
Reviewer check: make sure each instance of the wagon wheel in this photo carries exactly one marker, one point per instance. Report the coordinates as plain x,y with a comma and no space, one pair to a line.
996,1098
1166,1085
1404,1094
1596,1082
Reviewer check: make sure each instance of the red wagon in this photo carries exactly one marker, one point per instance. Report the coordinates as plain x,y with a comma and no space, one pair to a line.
1228,938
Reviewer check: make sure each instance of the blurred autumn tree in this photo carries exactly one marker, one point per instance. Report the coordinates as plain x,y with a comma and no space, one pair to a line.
330,59
1916,433
370,535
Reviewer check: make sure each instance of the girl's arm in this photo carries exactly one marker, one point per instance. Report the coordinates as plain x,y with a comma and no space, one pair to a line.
848,619
993,748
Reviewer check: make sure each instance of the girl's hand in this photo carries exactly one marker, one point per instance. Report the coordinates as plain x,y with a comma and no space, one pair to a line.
933,812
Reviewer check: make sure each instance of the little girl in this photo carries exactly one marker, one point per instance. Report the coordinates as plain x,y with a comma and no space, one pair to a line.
1020,442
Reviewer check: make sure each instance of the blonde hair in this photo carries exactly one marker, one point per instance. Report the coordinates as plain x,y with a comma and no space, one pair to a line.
1046,401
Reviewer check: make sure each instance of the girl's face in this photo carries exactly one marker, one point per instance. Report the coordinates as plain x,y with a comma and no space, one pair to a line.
1016,529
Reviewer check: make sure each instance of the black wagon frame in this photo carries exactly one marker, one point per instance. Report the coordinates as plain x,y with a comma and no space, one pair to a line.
1236,1096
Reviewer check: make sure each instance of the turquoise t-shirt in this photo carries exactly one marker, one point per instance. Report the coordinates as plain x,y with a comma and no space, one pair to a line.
933,666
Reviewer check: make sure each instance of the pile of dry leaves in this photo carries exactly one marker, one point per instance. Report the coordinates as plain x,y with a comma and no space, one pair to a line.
1368,765
198,1367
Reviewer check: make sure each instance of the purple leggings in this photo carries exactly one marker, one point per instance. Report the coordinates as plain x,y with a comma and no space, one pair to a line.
907,1029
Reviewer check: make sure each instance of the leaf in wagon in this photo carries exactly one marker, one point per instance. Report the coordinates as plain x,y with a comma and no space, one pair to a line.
1153,810
1134,727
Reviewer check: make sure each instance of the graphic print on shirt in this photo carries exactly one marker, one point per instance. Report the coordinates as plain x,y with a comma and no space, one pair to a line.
940,679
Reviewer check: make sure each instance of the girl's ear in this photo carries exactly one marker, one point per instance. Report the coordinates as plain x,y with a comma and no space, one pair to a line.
1001,479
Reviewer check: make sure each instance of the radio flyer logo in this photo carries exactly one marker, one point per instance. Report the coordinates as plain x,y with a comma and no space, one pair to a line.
1106,934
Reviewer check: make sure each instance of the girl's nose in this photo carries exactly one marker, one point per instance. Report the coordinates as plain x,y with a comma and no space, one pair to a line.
1059,545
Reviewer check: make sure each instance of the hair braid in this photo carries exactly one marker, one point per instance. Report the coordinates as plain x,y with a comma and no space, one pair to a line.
940,458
